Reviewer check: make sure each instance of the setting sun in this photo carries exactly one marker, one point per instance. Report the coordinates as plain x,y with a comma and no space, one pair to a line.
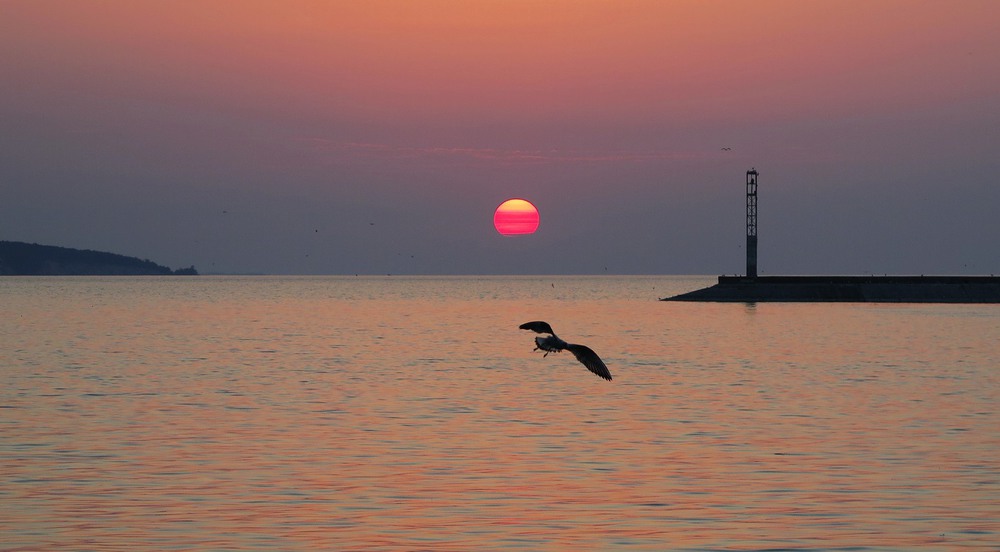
515,217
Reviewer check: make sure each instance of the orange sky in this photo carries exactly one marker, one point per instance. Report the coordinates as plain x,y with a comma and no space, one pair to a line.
621,60
443,91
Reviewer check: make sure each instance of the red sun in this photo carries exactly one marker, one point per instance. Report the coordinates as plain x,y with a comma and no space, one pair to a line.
516,217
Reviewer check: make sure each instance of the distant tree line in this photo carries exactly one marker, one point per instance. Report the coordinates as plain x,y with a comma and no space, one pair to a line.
31,259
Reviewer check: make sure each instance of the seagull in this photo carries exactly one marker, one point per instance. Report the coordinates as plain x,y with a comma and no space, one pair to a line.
552,344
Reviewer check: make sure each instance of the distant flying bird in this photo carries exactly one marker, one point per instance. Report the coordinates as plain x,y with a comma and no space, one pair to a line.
727,149
552,344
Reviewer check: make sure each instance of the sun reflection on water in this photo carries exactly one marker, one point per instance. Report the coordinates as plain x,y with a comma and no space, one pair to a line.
325,414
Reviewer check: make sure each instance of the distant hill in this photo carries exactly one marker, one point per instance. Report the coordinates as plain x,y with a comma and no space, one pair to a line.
31,259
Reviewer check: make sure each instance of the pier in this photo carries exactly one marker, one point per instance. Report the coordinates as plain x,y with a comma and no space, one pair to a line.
859,289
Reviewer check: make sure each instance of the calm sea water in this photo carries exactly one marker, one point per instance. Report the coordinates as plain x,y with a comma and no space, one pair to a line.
395,413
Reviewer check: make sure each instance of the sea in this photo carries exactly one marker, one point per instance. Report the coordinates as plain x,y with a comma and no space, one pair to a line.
397,413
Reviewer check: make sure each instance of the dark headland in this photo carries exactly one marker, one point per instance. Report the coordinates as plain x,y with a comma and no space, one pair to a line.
827,289
31,259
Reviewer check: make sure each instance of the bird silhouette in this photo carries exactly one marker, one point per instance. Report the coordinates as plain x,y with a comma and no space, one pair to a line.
552,344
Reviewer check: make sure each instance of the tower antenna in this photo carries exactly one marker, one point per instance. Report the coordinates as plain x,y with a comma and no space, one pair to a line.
752,223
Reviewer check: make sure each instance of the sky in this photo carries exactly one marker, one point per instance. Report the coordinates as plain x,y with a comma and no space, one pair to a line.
378,137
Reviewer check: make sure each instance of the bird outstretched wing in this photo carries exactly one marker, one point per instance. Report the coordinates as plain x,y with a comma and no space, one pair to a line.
589,358
537,326
553,344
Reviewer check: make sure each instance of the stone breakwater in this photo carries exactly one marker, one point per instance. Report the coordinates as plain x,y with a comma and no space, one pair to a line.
857,289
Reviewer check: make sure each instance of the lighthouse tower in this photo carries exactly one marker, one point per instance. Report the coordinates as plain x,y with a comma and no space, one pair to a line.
752,223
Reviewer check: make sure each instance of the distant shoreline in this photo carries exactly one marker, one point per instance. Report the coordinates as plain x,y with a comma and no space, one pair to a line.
32,259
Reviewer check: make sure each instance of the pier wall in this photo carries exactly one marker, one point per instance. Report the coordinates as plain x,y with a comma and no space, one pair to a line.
861,289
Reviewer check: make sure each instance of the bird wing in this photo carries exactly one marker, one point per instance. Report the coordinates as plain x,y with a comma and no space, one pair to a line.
537,326
589,358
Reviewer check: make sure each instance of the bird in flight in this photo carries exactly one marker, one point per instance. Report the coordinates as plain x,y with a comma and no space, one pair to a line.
552,344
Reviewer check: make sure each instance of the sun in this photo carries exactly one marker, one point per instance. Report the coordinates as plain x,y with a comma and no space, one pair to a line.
516,217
